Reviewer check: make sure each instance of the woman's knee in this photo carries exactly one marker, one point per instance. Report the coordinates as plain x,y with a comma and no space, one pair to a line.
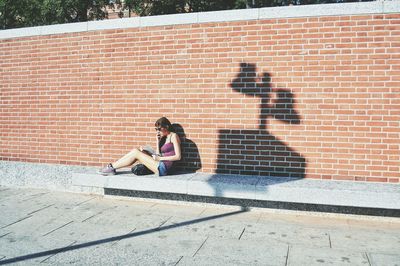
135,152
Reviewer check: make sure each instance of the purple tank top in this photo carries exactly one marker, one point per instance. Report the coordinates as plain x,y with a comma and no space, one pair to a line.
168,150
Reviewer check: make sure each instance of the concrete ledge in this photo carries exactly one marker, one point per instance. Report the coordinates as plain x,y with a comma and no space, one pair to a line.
357,8
245,203
166,20
228,15
391,6
64,28
257,189
114,24
21,32
225,186
322,10
42,175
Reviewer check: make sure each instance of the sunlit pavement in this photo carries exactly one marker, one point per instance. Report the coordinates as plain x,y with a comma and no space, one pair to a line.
48,227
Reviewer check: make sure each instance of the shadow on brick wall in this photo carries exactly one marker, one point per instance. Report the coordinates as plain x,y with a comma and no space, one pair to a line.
191,161
257,151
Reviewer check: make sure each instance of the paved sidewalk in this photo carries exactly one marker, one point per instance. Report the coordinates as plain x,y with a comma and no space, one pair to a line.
40,226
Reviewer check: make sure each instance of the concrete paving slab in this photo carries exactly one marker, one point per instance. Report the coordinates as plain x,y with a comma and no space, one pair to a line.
17,248
56,218
212,226
101,230
20,197
137,224
376,259
111,231
288,234
326,221
238,252
20,209
238,213
8,192
300,255
370,223
117,223
215,230
101,255
177,210
148,239
316,220
368,240
41,197
164,243
44,226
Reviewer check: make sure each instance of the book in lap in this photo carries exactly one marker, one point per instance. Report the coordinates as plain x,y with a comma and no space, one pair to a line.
149,150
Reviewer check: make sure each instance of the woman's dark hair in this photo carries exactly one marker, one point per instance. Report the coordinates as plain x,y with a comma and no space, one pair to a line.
165,123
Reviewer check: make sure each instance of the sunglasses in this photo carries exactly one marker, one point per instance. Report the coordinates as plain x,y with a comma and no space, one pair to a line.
158,128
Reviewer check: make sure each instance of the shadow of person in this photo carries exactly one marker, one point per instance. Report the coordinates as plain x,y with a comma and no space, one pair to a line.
190,161
257,151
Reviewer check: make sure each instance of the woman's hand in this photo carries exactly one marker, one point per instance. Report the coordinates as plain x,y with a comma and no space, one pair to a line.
158,137
156,157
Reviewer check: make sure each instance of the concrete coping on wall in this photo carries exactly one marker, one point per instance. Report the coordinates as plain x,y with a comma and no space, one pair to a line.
259,191
357,8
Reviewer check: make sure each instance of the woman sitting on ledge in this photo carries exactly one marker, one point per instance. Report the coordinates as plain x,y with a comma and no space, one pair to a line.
168,151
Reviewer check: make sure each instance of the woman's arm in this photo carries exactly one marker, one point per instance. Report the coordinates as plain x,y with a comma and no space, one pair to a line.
177,147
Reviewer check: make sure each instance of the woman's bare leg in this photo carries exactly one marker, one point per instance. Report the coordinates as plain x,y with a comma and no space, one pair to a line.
127,160
135,155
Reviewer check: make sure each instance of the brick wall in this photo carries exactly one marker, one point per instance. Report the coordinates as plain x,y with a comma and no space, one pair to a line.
315,97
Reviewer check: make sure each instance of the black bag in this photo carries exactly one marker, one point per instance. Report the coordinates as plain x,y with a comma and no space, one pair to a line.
141,169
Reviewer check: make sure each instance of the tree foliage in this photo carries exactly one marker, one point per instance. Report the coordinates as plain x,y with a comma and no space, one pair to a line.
26,13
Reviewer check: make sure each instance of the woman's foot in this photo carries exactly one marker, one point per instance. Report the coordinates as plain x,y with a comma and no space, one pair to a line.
108,170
